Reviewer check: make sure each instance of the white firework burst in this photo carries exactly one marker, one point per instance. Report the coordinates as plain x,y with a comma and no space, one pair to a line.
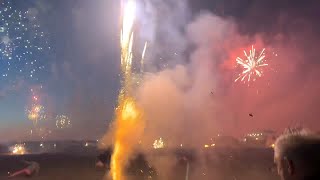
252,65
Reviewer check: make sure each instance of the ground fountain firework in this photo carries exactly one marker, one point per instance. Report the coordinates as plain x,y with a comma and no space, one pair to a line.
129,121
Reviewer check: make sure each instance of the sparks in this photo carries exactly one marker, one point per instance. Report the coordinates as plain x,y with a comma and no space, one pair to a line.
18,149
62,122
23,44
143,55
128,115
158,144
251,65
126,40
36,113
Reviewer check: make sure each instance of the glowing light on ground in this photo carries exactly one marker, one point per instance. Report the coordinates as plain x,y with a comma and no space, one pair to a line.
208,146
158,144
18,149
272,145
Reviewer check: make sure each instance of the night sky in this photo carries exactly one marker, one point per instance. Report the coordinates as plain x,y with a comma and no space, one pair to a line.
64,55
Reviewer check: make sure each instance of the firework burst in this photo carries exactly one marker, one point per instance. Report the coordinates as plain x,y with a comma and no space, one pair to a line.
252,65
22,43
36,113
158,144
62,122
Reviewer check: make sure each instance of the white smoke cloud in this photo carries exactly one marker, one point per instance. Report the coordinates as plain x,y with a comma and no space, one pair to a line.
180,103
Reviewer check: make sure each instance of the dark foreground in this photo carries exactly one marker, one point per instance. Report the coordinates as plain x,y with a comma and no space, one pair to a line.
249,164
54,167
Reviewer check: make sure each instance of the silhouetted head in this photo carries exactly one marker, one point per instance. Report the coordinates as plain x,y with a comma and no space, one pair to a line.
297,155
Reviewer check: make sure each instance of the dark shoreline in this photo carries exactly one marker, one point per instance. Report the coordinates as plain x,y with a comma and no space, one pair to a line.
220,164
54,166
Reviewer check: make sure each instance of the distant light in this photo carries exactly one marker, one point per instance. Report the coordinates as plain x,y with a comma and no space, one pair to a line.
206,145
257,138
212,145
18,149
158,144
87,144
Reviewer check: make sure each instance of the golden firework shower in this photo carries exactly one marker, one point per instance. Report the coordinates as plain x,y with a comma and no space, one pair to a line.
18,149
129,123
252,65
36,113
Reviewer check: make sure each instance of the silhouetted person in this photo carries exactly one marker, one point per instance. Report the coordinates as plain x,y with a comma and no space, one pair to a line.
297,155
104,159
31,170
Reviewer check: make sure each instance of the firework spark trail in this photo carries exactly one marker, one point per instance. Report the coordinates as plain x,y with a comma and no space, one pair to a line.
143,55
126,39
251,65
128,124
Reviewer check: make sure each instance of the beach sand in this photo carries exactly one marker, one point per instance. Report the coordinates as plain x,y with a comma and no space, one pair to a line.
220,165
54,167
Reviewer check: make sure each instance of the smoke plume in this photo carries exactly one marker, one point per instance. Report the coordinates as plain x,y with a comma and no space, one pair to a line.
189,94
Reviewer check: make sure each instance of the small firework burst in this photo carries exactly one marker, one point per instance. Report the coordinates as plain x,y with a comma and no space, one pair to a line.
36,113
18,149
62,122
158,144
252,65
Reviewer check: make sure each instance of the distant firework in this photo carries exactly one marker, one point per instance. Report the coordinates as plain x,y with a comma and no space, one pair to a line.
22,43
36,113
252,65
18,149
62,122
158,144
